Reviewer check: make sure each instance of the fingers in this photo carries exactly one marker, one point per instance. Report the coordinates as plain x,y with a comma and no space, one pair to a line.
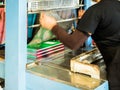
42,14
41,19
47,21
80,13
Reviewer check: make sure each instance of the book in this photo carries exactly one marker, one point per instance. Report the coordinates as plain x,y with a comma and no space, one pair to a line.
44,49
43,46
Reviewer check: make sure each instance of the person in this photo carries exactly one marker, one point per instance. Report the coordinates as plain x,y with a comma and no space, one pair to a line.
102,22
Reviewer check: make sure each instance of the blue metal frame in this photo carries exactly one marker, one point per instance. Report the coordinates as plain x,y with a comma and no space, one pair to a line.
16,42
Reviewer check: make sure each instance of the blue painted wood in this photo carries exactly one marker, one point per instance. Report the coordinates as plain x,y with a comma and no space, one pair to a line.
16,39
104,86
35,82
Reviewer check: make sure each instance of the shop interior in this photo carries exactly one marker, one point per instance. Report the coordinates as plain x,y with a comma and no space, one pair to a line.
32,58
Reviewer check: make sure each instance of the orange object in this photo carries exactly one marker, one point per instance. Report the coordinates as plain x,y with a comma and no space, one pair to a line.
96,0
80,13
2,26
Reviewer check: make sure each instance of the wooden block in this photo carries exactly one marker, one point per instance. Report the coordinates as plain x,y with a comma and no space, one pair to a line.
85,68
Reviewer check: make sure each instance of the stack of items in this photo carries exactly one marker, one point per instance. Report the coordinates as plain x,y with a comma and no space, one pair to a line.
2,52
50,48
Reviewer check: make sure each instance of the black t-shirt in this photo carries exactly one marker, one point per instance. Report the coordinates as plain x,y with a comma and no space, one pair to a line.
103,21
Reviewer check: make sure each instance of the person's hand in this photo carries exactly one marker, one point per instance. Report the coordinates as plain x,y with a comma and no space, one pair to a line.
80,13
46,21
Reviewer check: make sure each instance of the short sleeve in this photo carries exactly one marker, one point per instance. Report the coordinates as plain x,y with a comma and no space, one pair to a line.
89,21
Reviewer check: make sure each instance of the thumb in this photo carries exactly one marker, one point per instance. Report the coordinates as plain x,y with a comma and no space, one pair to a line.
42,15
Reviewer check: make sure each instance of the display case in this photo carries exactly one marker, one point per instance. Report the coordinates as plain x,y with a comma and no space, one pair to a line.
59,71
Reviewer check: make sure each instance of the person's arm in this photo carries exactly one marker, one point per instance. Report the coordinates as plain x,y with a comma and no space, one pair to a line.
73,41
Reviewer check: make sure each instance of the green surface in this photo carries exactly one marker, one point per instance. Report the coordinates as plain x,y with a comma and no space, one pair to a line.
43,45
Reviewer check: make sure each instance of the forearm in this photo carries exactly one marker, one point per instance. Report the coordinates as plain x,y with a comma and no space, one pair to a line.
73,41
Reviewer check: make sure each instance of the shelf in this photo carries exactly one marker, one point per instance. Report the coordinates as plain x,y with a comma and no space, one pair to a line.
38,10
2,5
36,5
53,6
